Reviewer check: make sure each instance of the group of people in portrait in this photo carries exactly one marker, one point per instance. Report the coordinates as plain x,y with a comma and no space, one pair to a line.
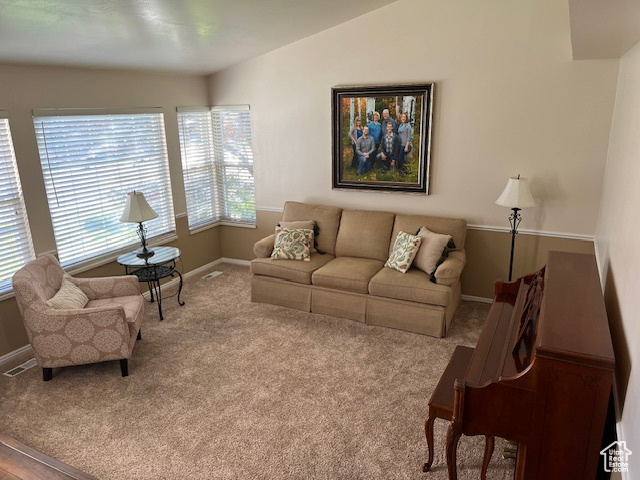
382,143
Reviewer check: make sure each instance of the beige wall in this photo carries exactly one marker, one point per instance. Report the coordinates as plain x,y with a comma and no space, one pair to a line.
617,244
24,88
509,100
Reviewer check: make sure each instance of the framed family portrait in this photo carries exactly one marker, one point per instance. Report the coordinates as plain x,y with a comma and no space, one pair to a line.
381,137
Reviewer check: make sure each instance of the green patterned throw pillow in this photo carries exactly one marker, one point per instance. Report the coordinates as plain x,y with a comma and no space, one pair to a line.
404,250
292,244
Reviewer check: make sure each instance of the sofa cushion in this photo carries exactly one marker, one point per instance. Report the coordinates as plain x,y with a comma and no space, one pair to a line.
348,273
327,219
413,286
457,228
293,270
365,234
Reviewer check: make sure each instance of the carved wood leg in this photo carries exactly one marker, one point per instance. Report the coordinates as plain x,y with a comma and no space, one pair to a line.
488,451
428,432
47,374
453,437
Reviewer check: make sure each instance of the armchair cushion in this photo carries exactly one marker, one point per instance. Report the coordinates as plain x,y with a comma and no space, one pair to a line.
132,305
68,297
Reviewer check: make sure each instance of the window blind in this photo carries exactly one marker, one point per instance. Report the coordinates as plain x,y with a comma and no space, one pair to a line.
217,161
89,164
15,238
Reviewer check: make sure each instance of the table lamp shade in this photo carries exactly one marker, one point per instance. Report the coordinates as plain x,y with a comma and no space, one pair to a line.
137,209
516,194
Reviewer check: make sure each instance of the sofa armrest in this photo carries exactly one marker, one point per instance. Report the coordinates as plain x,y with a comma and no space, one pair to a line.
264,247
108,287
449,271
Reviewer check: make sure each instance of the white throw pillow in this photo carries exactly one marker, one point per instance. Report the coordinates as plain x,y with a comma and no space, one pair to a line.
69,297
404,250
292,244
431,250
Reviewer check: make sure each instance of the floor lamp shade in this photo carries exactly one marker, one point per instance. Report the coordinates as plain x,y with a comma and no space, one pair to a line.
516,196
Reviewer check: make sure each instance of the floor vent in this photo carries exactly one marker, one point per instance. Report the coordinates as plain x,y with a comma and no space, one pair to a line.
21,368
211,275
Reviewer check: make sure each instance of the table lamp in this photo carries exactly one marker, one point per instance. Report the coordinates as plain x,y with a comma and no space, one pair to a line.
516,196
137,210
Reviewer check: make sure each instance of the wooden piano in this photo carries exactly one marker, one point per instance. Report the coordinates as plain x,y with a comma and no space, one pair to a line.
541,372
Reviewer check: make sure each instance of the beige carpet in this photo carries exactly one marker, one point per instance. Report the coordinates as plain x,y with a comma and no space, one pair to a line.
227,389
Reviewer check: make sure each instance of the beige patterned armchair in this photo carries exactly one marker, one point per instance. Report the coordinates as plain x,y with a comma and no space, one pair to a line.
105,329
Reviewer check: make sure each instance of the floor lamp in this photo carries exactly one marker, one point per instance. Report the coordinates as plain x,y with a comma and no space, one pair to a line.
516,196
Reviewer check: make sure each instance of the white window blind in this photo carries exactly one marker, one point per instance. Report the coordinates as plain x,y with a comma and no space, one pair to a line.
217,161
90,163
15,238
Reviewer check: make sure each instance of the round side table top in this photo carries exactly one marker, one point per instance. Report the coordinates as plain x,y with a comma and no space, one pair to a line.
160,255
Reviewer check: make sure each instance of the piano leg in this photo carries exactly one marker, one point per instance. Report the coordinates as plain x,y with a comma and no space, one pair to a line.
428,432
453,437
488,451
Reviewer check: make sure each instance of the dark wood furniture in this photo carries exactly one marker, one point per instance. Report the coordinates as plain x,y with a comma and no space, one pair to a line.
19,462
152,269
541,372
441,403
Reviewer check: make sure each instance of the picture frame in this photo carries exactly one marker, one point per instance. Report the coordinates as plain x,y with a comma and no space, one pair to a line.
397,164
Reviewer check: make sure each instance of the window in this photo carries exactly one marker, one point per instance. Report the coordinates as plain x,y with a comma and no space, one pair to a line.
90,163
15,237
217,164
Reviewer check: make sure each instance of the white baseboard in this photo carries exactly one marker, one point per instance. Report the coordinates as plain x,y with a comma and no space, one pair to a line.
200,270
11,355
471,298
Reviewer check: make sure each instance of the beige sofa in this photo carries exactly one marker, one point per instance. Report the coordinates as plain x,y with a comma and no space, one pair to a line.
350,281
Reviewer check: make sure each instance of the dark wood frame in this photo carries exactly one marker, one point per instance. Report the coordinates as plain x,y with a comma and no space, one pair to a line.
423,150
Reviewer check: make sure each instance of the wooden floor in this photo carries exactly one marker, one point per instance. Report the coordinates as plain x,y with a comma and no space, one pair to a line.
19,462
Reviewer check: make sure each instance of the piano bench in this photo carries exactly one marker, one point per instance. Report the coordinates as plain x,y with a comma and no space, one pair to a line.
441,403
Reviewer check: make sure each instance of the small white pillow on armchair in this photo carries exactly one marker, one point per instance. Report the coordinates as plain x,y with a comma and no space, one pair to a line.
431,250
69,297
404,250
292,244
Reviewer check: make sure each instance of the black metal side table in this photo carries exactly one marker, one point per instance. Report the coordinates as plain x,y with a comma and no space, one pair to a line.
152,269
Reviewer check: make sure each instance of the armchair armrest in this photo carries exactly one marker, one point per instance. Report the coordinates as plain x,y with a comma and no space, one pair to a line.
449,271
108,287
65,337
264,247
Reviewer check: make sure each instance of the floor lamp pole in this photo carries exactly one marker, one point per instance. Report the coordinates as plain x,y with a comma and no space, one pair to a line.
514,220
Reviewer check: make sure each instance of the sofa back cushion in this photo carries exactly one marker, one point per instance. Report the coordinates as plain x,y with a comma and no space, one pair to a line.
327,218
365,234
455,227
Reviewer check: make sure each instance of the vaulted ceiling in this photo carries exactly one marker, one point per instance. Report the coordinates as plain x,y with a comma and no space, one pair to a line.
205,36
192,36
